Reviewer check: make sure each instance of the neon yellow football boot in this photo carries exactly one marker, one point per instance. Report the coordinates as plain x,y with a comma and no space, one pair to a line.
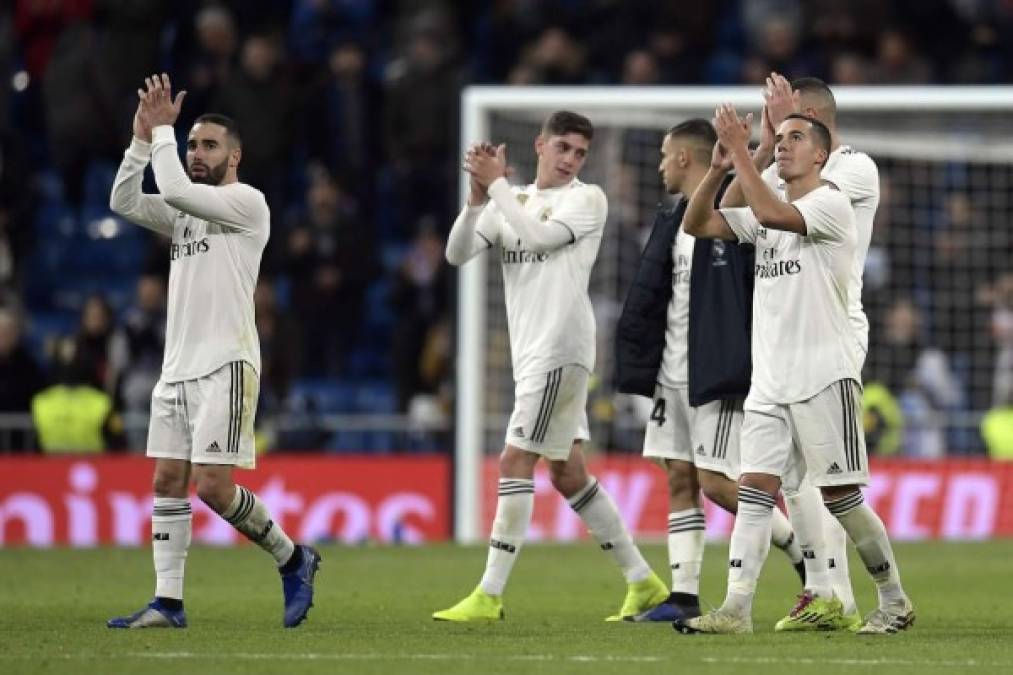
477,607
641,596
813,613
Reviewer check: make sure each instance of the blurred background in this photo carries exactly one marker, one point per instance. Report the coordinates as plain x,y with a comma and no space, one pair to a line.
350,115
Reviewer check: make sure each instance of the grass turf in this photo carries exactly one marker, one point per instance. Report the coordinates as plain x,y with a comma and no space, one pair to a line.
373,606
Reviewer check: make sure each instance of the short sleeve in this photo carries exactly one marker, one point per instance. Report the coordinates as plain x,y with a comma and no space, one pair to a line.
771,178
856,175
583,211
827,214
742,223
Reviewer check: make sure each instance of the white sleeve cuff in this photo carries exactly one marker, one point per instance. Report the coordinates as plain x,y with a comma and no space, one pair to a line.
140,150
499,189
163,133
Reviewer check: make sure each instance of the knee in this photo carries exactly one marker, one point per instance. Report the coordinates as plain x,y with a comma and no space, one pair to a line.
761,481
568,483
835,492
682,483
215,491
719,489
168,483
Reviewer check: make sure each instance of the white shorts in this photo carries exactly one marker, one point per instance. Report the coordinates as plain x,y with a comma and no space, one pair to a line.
820,439
550,412
208,420
707,436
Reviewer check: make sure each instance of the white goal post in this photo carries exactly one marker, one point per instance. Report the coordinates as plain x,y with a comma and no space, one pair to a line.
659,108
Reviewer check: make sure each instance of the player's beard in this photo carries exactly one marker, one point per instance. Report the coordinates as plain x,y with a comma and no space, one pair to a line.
213,175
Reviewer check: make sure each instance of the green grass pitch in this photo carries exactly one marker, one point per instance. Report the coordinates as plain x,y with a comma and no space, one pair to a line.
373,606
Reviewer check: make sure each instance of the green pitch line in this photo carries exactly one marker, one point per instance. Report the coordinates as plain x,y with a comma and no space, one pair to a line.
373,606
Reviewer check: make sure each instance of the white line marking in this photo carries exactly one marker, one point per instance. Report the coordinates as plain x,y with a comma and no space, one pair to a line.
575,658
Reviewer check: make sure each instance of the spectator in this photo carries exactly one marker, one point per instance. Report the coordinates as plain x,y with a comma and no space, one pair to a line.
99,350
640,68
280,354
918,375
330,259
419,299
20,379
420,130
340,131
143,337
260,99
17,210
207,63
72,415
897,62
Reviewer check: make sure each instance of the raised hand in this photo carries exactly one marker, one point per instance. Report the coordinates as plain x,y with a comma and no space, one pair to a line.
485,167
158,103
780,99
721,159
142,127
733,132
478,194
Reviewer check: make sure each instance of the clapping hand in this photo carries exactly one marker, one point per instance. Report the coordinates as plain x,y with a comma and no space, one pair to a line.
485,166
733,132
157,105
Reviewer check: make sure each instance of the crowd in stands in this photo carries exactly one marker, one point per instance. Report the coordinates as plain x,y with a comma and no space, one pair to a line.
349,109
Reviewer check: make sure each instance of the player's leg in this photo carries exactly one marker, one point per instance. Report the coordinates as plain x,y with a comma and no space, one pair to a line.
589,499
668,441
766,449
515,499
830,426
717,429
171,521
222,407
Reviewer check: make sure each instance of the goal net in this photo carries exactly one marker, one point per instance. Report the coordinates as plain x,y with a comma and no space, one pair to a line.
938,278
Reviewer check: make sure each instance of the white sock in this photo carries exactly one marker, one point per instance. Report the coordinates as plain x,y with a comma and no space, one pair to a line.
171,524
513,515
869,536
783,536
837,562
601,516
249,515
685,549
805,508
749,547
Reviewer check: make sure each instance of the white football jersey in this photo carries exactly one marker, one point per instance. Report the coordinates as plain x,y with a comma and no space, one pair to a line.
803,339
549,311
218,236
673,373
856,175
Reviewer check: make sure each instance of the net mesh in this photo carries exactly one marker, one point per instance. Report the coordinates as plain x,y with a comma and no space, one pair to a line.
938,278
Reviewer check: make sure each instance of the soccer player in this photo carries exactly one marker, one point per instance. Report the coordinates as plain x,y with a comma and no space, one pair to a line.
803,409
683,339
548,234
203,405
821,537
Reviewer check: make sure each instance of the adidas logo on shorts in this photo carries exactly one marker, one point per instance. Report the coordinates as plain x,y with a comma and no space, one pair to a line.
213,447
700,450
834,469
518,432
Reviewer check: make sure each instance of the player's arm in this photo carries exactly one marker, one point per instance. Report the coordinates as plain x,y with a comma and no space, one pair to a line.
236,208
763,156
127,199
769,209
473,232
490,171
701,219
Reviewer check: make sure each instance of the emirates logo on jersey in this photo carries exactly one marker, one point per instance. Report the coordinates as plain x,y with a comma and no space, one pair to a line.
520,255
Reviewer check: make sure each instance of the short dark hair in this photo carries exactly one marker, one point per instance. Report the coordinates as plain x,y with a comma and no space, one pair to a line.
564,122
699,130
224,121
814,86
821,133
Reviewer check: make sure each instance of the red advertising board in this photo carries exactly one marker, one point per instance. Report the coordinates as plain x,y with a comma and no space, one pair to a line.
947,499
46,501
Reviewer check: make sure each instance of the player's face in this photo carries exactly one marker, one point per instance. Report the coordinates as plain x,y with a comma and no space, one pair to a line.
796,151
560,158
671,173
208,153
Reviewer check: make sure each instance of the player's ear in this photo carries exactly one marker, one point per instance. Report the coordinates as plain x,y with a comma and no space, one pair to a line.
539,144
682,157
234,156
